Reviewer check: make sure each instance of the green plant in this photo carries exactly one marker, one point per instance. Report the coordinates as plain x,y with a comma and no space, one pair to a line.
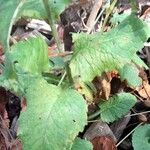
59,113
141,138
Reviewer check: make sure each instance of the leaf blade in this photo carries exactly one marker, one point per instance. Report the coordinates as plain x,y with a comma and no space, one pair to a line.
29,56
59,115
80,144
10,8
116,106
102,52
130,74
140,138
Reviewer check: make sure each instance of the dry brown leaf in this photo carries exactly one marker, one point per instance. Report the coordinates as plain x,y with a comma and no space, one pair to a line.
105,87
98,129
2,143
16,145
142,118
103,143
119,126
147,102
145,90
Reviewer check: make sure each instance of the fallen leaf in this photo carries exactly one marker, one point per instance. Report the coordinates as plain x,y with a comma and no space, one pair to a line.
142,118
17,145
103,143
119,126
145,90
2,143
98,129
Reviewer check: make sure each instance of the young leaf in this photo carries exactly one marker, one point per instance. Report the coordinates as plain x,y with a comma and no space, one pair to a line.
102,52
130,73
141,138
8,13
116,107
29,56
53,118
80,144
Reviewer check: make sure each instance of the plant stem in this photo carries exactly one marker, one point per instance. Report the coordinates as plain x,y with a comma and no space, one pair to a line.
136,114
62,78
92,116
93,14
109,11
52,24
69,74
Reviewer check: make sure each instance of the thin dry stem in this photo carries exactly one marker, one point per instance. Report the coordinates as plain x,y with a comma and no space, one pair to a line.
93,14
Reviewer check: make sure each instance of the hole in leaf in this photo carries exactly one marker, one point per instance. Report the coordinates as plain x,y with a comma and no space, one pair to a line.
15,62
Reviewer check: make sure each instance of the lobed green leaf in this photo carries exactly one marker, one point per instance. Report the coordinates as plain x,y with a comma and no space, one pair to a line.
116,107
102,52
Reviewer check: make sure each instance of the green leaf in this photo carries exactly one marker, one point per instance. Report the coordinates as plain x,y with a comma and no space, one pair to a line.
80,144
8,13
29,56
117,18
116,107
130,73
102,52
35,8
141,138
53,118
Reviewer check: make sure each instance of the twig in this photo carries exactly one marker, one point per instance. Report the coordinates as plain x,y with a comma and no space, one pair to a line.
97,113
93,14
136,114
129,134
52,23
137,96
